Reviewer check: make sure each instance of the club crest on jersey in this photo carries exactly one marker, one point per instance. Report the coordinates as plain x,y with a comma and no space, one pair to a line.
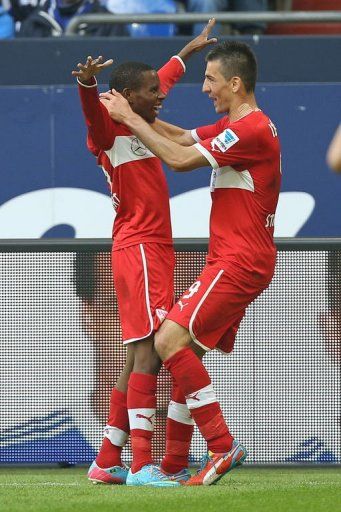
137,147
161,314
224,141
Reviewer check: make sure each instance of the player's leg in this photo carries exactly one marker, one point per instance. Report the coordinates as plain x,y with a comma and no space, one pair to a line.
147,295
179,432
224,452
141,401
173,344
108,467
207,309
215,465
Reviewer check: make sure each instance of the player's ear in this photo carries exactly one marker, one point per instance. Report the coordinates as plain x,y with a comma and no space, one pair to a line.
128,94
236,83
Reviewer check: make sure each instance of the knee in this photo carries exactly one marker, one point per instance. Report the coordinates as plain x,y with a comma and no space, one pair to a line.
146,360
164,343
170,339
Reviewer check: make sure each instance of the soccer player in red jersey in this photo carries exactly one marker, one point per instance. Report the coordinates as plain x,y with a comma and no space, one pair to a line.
142,263
244,152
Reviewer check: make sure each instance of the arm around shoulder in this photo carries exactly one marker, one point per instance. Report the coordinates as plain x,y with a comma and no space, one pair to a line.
174,133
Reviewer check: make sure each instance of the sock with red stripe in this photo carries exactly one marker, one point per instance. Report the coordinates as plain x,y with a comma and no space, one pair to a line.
195,383
179,431
116,431
141,401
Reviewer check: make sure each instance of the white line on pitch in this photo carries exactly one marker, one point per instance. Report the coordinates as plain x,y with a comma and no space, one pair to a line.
17,484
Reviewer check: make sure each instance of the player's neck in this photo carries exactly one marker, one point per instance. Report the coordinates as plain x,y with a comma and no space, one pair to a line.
242,109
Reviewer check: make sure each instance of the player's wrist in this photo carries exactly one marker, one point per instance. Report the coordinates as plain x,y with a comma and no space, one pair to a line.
185,53
181,60
133,120
91,82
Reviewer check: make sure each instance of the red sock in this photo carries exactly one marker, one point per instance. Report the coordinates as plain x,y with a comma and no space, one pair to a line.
179,431
116,431
201,399
141,402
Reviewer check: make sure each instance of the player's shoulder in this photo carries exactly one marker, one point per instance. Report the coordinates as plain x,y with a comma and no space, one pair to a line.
121,129
262,121
262,126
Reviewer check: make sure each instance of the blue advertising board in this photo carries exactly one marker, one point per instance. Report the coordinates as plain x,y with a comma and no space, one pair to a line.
51,186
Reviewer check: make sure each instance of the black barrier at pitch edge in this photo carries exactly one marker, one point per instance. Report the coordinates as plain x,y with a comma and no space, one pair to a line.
181,244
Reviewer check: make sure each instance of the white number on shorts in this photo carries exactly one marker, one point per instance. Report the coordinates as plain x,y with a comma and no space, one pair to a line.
192,290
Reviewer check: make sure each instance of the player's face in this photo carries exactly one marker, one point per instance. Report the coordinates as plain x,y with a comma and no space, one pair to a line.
217,87
147,100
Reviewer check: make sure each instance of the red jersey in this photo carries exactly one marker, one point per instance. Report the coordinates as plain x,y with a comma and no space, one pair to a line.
135,176
245,184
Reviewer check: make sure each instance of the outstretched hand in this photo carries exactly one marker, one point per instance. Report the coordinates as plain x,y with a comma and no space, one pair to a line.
116,105
200,42
91,68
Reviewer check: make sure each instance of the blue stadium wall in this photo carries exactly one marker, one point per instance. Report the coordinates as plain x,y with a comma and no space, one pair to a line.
47,172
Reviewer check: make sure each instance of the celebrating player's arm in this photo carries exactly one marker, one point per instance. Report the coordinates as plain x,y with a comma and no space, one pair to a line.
175,133
172,132
90,69
188,137
172,71
200,42
177,157
99,124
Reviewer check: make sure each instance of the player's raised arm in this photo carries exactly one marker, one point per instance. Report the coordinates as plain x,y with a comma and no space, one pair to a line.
92,67
99,123
202,41
175,67
199,43
177,157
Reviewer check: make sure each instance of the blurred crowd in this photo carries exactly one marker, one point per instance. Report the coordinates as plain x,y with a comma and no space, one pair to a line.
49,18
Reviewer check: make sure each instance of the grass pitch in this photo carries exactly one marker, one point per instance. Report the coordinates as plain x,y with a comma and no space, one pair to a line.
248,489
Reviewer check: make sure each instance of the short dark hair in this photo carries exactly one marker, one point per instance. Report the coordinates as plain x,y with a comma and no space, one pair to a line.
128,75
237,59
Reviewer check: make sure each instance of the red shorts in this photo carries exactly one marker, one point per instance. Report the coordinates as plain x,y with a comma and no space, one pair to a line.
143,279
214,305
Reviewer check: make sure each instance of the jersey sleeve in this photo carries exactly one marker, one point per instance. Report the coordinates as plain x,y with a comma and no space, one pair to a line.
210,130
101,128
171,73
233,146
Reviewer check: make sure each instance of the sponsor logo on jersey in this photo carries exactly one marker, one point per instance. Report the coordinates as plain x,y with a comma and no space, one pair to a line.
137,147
224,141
182,305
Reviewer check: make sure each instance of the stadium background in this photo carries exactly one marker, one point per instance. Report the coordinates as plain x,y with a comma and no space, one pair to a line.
282,373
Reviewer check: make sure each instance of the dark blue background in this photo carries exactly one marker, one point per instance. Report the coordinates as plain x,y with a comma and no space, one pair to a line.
43,142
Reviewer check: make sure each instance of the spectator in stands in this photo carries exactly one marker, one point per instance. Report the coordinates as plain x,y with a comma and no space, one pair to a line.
334,151
51,17
6,23
209,6
145,7
21,9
